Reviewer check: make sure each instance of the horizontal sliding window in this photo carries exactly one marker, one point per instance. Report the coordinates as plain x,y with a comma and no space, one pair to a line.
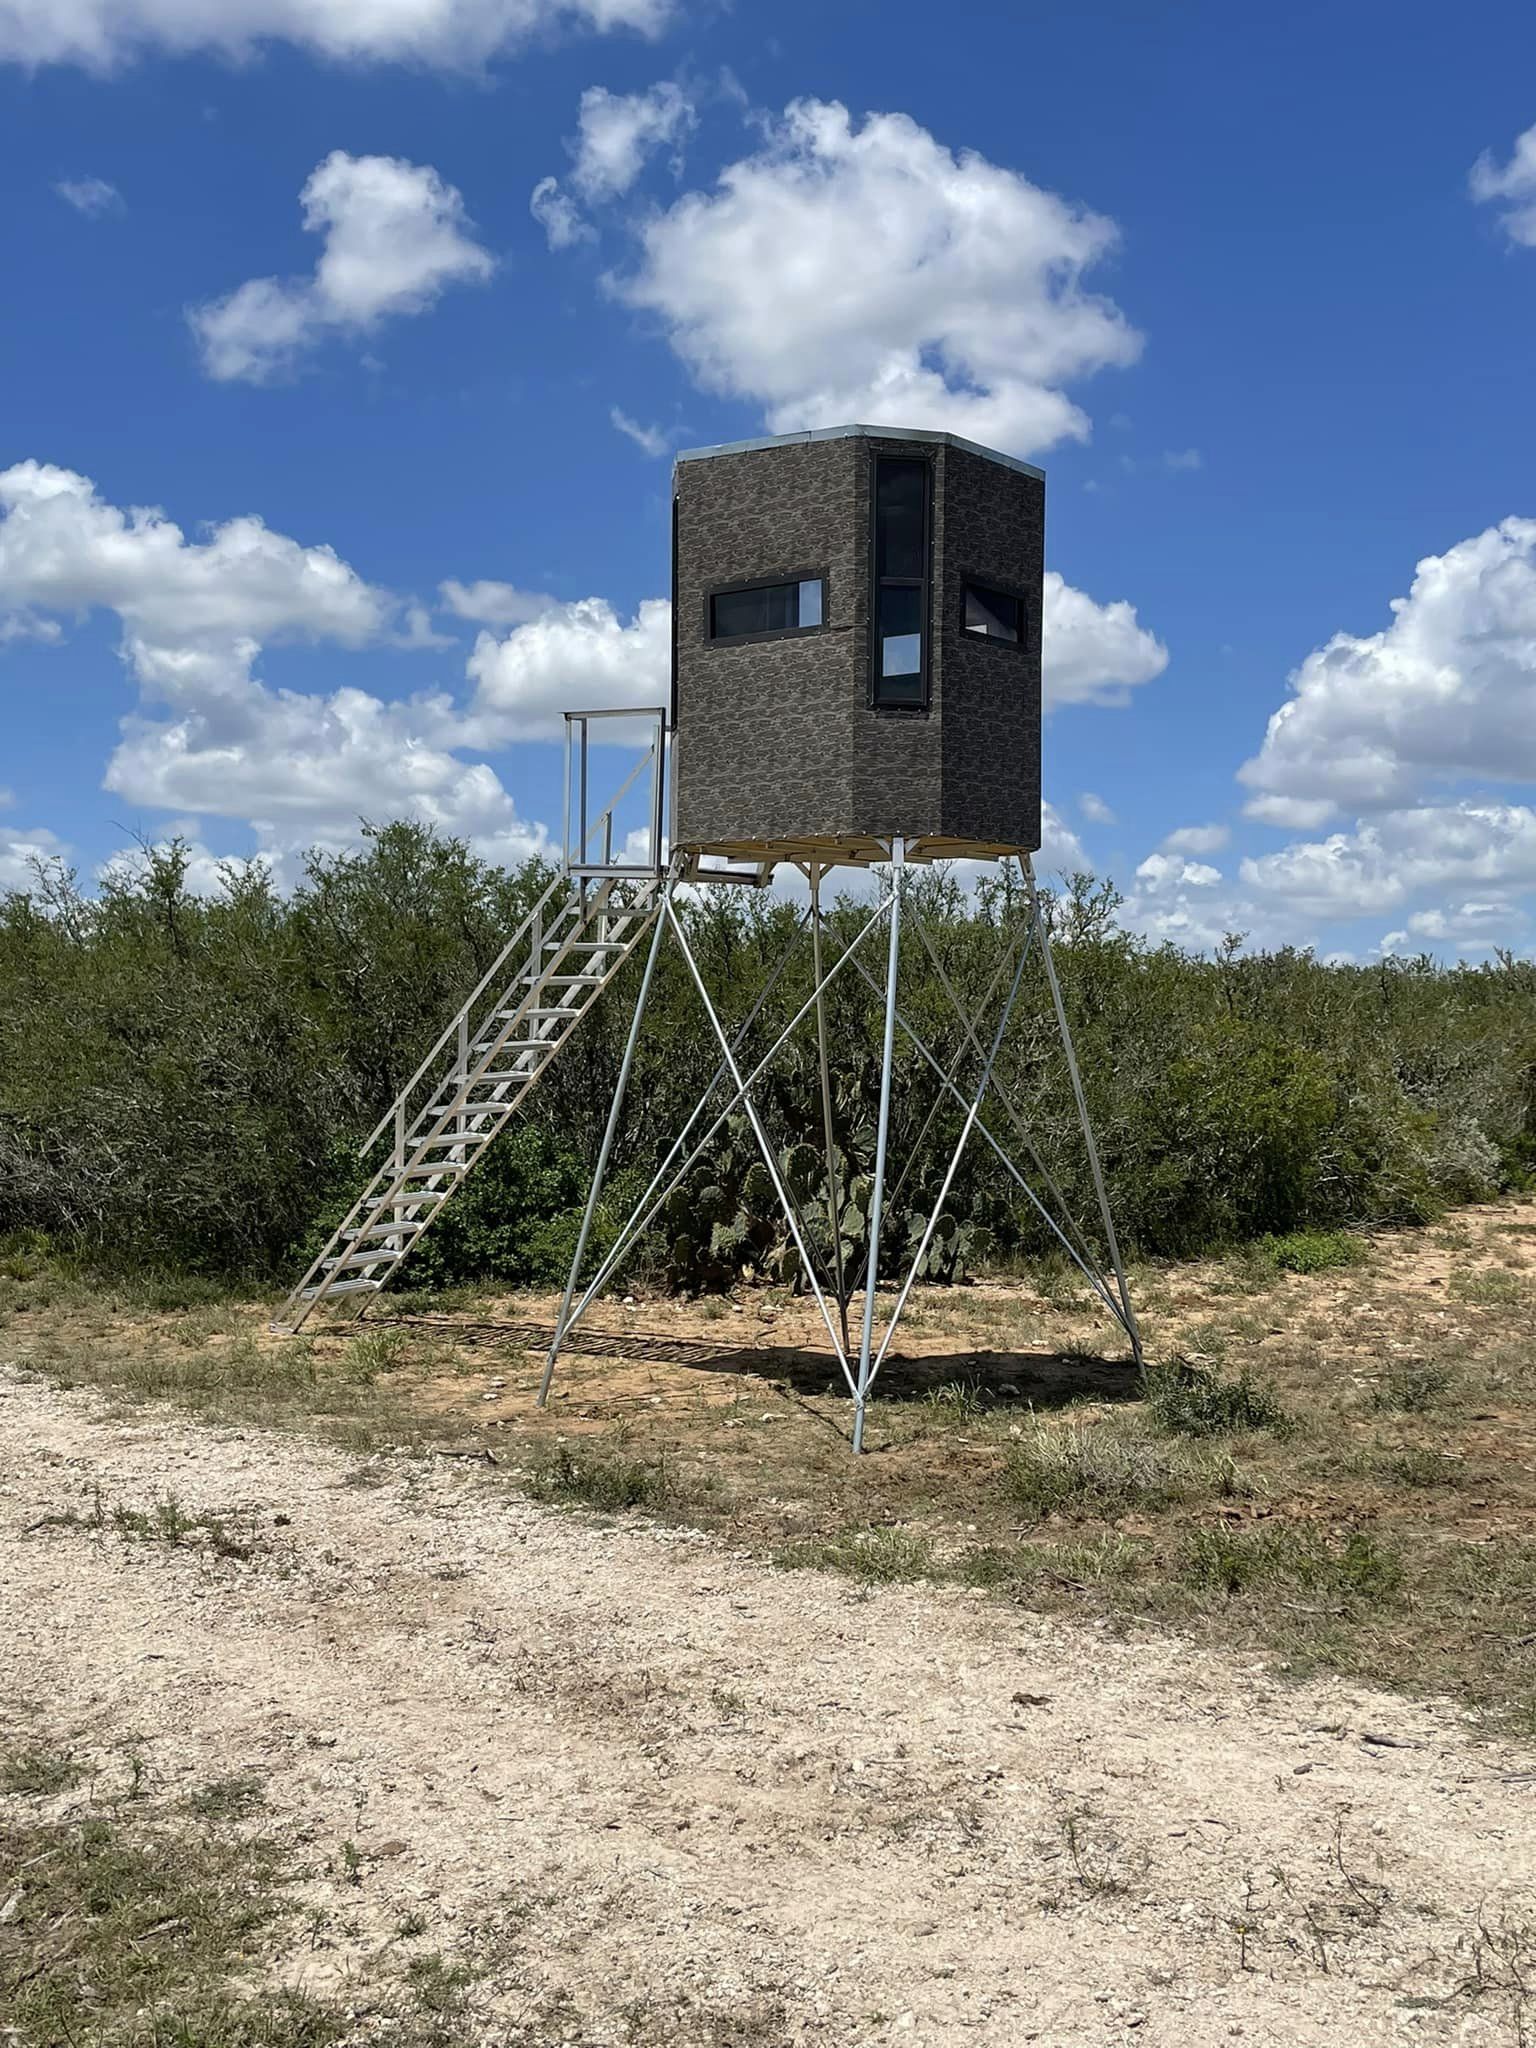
762,608
993,614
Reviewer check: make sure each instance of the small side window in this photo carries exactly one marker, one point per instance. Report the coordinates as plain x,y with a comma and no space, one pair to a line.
755,610
993,615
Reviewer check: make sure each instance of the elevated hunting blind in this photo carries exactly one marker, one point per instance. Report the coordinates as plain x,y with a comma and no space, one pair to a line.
856,647
856,618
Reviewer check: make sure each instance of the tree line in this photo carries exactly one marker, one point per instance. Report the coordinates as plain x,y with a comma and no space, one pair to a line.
184,1080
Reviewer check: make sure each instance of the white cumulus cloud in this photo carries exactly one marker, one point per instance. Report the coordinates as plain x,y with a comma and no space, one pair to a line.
493,604
395,236
850,272
23,853
1513,184
1398,856
616,135
1196,839
102,33
1094,653
1094,809
575,655
618,132
1447,691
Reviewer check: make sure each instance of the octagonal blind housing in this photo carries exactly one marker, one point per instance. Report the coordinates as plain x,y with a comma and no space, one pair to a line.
856,646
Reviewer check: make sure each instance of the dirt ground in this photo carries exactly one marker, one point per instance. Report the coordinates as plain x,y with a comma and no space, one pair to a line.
656,1791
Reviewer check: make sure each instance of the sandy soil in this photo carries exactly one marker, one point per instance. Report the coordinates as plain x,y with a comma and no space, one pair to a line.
670,1795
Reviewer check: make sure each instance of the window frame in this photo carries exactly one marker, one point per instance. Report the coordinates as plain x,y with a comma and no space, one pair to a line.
738,584
921,705
1016,591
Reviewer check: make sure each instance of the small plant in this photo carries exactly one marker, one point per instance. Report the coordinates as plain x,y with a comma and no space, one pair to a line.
1414,1466
959,1400
232,1798
1097,1854
1232,1561
1092,1470
1490,1289
877,1556
41,1772
596,1480
1415,1388
1314,1251
167,1521
375,1352
1187,1400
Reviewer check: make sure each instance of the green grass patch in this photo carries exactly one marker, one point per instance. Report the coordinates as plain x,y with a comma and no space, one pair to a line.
599,1479
1418,1387
1187,1400
1491,1288
1360,1569
1313,1251
878,1557
1104,1470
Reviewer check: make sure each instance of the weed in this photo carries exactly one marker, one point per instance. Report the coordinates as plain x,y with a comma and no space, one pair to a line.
1313,1251
233,1798
1187,1400
1413,1389
1232,1561
959,1400
877,1556
595,1480
375,1352
1415,1466
1094,1470
1098,1855
127,1931
40,1772
1489,1289
167,1521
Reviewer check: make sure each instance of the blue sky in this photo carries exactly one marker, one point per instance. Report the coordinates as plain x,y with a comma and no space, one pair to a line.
1255,286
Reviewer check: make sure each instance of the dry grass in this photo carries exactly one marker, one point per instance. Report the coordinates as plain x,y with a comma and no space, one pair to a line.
1335,1459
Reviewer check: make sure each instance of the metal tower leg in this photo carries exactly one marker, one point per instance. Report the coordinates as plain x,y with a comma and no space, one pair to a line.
877,1197
764,1143
834,1191
615,1111
1042,933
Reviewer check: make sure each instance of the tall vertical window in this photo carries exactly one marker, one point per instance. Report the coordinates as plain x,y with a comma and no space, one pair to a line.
902,490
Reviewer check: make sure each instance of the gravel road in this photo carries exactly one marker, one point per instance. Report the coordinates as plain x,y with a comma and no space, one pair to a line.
668,1794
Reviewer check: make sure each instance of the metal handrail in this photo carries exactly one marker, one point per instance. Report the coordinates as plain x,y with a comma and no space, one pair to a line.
576,844
556,882
605,822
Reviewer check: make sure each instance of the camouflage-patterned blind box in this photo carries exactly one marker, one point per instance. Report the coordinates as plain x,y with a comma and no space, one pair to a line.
857,617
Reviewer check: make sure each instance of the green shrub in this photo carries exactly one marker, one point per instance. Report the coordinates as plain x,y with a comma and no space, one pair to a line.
1187,1400
184,1081
1314,1251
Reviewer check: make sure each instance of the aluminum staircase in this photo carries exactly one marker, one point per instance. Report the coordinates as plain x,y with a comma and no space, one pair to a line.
571,945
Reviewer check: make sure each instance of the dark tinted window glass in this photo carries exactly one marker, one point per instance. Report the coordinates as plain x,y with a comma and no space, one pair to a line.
901,507
992,614
738,612
901,644
770,608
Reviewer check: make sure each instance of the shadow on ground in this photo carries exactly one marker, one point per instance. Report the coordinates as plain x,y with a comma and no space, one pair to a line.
1040,1379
